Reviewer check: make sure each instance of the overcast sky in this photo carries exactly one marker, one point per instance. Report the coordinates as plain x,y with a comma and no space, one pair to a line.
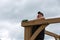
12,12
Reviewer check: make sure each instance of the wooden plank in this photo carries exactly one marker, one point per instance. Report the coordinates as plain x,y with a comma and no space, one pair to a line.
37,32
27,33
39,21
51,34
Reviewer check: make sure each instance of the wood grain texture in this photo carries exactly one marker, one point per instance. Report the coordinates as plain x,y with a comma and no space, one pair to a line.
27,33
40,21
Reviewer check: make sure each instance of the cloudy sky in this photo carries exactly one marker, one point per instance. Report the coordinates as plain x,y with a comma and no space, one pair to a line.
12,12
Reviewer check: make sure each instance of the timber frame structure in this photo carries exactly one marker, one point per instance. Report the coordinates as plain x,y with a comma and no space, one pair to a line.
29,24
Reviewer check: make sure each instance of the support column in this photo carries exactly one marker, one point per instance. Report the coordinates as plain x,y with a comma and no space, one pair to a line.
27,33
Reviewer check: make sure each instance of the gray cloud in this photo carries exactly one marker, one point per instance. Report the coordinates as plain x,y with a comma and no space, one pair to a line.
15,31
16,11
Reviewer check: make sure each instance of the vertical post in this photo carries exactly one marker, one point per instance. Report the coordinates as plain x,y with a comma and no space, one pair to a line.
27,33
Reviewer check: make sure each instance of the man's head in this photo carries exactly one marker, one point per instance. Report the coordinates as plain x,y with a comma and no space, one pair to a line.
40,15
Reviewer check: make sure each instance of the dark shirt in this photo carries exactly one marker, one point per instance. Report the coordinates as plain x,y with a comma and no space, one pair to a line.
40,35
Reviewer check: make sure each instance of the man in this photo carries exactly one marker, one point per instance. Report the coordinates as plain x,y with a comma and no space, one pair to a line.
35,27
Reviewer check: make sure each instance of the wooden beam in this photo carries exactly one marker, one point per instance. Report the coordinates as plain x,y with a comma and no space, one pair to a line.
37,32
51,34
39,21
27,33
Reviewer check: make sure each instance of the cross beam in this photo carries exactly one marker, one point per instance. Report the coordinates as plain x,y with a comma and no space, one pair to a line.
39,21
51,34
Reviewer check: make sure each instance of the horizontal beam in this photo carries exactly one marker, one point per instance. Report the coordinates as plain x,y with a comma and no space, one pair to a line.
51,34
39,21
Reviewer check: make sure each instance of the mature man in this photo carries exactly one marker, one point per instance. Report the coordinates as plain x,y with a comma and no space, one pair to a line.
35,27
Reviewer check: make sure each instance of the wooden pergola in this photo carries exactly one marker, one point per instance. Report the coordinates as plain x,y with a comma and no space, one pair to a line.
45,22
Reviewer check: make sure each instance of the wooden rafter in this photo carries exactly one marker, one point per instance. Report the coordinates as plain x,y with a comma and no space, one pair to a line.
39,21
51,34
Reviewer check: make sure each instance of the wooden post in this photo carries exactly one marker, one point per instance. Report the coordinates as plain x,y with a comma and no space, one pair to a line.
27,33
